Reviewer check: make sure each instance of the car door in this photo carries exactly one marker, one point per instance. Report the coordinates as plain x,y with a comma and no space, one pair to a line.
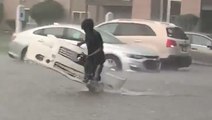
200,50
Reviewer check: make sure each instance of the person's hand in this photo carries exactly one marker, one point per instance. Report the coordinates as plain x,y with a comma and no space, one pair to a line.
78,44
86,56
82,57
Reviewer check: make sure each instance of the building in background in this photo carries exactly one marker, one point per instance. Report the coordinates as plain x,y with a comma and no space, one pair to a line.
73,8
10,9
161,10
77,10
166,10
99,8
206,16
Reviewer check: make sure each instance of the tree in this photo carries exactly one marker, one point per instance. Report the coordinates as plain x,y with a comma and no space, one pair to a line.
188,21
48,11
1,11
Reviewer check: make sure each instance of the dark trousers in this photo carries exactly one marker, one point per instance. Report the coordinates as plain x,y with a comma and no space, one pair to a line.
92,70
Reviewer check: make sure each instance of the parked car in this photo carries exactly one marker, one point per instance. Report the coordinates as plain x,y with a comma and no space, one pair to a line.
201,47
119,56
170,41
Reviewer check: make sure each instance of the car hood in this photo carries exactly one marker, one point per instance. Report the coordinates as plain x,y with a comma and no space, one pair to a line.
131,49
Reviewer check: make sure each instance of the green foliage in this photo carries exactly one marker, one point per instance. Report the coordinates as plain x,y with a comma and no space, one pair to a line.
1,11
188,21
48,11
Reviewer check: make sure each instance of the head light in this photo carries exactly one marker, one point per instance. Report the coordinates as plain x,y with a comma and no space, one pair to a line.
134,56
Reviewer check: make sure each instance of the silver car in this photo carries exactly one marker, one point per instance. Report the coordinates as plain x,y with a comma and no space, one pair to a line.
201,47
119,56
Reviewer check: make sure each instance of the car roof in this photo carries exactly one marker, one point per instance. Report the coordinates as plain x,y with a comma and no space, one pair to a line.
65,25
141,21
198,33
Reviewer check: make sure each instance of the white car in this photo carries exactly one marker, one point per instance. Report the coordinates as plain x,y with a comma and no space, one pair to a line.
119,56
170,42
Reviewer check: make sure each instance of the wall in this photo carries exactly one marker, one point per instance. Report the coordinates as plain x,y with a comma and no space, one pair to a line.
9,9
191,7
141,9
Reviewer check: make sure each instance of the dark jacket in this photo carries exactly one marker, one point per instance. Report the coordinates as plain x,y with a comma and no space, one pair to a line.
94,42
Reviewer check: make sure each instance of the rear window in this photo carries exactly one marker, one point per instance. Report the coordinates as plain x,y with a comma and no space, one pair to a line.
176,32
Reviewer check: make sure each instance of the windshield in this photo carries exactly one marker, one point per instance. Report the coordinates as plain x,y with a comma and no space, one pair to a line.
108,38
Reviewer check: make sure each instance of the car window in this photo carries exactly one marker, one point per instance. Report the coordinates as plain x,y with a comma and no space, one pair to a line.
56,31
129,29
111,27
108,37
38,32
209,35
72,34
189,37
176,32
200,40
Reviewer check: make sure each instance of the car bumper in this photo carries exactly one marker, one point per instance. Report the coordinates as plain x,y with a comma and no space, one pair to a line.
179,61
15,49
144,65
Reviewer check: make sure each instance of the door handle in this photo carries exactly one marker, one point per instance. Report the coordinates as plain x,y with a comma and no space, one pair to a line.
194,48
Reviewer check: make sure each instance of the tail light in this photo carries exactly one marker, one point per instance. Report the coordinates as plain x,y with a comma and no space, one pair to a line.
171,43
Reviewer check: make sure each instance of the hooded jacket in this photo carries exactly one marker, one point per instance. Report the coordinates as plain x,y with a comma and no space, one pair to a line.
93,41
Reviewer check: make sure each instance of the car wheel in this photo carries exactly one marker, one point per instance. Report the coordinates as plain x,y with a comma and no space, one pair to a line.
169,65
23,54
113,63
174,68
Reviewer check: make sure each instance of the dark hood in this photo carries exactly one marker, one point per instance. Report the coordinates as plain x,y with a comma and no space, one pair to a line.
87,25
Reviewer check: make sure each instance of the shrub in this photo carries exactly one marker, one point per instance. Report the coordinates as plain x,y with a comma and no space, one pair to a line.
188,21
48,11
